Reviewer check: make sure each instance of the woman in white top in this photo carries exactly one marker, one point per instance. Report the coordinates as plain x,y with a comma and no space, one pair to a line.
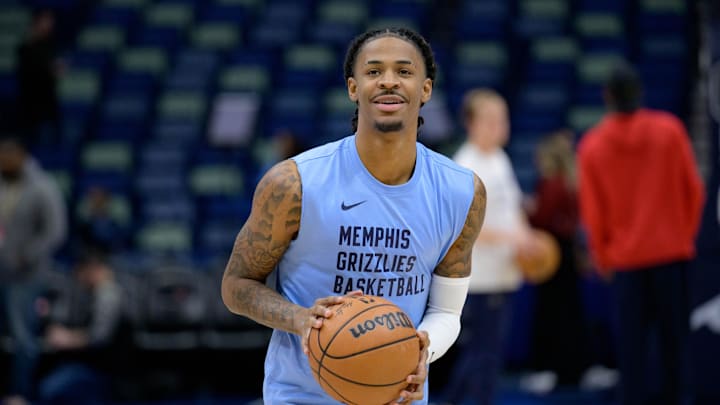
495,276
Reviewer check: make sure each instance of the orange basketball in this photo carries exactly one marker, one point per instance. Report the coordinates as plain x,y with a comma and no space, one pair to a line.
539,267
365,351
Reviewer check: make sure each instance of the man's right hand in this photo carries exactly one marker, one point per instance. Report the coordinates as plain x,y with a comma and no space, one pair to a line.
318,312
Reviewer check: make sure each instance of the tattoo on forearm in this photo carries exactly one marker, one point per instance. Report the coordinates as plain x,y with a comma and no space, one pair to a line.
262,241
266,306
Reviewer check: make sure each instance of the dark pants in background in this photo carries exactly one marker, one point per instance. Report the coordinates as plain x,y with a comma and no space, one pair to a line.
19,321
74,384
650,303
477,368
559,336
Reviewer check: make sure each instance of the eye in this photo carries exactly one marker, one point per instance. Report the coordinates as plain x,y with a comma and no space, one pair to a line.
373,72
405,72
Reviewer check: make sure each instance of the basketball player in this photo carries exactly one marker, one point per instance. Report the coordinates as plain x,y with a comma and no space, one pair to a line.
375,212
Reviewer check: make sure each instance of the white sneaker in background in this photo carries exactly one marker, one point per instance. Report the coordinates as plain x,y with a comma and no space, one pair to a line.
539,383
599,378
14,400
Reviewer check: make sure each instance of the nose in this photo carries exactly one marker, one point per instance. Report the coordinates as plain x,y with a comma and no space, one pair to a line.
388,80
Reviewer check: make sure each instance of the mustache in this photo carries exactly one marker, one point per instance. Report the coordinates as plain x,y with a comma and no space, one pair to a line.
389,93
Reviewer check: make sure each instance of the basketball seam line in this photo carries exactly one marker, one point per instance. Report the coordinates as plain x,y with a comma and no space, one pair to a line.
357,382
369,349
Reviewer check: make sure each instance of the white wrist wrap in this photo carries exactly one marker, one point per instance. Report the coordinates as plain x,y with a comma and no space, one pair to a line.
442,316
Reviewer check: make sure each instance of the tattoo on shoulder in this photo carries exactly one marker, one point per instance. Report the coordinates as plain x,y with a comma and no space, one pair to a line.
273,223
457,262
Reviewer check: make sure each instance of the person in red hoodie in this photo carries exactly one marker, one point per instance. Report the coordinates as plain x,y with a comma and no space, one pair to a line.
641,200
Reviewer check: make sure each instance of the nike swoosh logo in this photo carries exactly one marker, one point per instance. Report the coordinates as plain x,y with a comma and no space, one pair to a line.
347,207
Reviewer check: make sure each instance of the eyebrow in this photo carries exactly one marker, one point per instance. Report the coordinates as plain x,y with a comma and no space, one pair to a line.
401,62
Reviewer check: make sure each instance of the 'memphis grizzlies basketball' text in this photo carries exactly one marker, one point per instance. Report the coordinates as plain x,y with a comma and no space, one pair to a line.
376,262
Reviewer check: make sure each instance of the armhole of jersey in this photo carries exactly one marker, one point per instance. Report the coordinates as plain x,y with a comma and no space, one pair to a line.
302,201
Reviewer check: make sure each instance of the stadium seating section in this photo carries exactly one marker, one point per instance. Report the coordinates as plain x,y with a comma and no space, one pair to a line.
171,106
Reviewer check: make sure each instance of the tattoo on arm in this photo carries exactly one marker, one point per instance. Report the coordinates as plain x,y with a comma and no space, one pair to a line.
259,246
457,261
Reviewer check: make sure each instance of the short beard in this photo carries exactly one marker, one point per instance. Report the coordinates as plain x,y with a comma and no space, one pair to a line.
389,126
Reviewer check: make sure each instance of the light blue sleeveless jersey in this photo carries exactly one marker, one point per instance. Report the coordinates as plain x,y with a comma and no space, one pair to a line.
358,233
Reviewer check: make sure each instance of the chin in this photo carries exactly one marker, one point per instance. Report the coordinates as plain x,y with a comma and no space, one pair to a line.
389,126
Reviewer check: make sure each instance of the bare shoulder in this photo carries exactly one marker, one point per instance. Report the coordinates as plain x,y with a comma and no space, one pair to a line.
280,186
457,261
273,222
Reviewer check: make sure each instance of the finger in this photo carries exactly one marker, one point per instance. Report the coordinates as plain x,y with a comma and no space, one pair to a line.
417,379
424,338
423,359
312,322
320,311
323,306
410,394
306,342
424,342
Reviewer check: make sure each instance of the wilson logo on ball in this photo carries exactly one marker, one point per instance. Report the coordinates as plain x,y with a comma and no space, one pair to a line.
390,321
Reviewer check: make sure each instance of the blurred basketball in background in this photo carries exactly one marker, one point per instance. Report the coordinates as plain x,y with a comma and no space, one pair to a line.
365,351
540,266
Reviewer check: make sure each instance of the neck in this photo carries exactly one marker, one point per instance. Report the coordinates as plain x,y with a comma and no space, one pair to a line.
389,157
483,146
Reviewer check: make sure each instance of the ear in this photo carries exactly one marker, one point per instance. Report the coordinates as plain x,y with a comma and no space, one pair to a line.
352,89
426,90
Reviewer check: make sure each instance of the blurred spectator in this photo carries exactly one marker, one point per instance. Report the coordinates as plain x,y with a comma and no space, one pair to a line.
32,227
38,70
85,358
98,229
558,348
505,231
641,200
284,144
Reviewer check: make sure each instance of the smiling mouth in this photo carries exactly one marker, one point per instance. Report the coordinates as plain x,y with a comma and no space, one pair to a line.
388,99
388,103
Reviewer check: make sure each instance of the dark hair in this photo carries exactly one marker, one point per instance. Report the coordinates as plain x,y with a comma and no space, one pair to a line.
41,12
403,33
624,88
89,257
15,140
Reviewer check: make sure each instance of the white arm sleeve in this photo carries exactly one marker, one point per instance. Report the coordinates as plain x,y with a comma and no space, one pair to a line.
442,315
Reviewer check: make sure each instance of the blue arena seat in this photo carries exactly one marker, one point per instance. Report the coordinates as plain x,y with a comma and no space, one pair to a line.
115,15
482,20
173,309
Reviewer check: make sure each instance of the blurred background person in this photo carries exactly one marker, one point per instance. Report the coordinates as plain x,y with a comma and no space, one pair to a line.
84,360
283,144
495,276
558,349
641,201
98,229
33,225
38,71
